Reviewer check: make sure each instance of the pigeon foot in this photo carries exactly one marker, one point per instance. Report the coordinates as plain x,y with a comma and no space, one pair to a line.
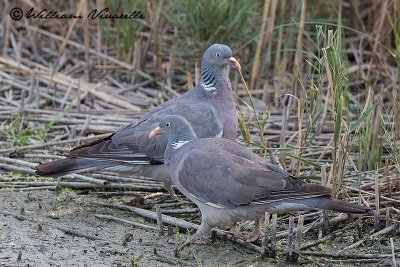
194,239
253,237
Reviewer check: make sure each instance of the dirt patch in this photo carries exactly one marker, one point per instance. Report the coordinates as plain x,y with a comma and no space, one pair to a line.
47,228
27,243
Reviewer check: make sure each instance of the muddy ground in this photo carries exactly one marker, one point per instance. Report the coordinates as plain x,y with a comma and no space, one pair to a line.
31,236
27,243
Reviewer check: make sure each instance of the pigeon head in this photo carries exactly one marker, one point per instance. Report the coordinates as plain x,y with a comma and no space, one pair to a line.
176,128
219,56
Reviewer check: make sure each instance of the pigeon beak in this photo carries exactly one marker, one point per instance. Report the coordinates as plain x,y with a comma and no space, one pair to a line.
232,61
155,132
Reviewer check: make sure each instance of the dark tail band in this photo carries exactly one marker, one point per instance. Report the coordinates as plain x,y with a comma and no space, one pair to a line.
69,165
329,203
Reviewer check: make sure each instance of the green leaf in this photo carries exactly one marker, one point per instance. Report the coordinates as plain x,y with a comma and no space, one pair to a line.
362,118
312,177
338,122
305,161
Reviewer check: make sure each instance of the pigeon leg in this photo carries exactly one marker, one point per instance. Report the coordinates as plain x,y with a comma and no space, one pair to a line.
199,238
194,239
171,192
254,236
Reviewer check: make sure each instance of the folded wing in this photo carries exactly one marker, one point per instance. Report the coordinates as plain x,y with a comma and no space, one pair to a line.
222,175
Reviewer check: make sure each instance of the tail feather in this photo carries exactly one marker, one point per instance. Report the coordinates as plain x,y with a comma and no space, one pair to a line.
329,203
70,165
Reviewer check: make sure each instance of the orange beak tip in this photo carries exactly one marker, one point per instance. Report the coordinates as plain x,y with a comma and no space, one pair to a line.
233,61
155,132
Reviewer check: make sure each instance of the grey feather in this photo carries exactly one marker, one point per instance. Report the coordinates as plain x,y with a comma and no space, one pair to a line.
210,113
230,183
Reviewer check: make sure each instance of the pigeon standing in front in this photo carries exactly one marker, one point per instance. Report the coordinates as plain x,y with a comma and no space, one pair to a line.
230,183
209,107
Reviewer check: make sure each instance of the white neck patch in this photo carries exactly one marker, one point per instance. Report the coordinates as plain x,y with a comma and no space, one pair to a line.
209,87
220,134
178,144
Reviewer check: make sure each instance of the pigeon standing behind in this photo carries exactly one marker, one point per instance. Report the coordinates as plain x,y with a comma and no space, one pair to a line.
229,183
209,106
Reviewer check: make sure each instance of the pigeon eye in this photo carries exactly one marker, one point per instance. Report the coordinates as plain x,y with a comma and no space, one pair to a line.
167,124
218,55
